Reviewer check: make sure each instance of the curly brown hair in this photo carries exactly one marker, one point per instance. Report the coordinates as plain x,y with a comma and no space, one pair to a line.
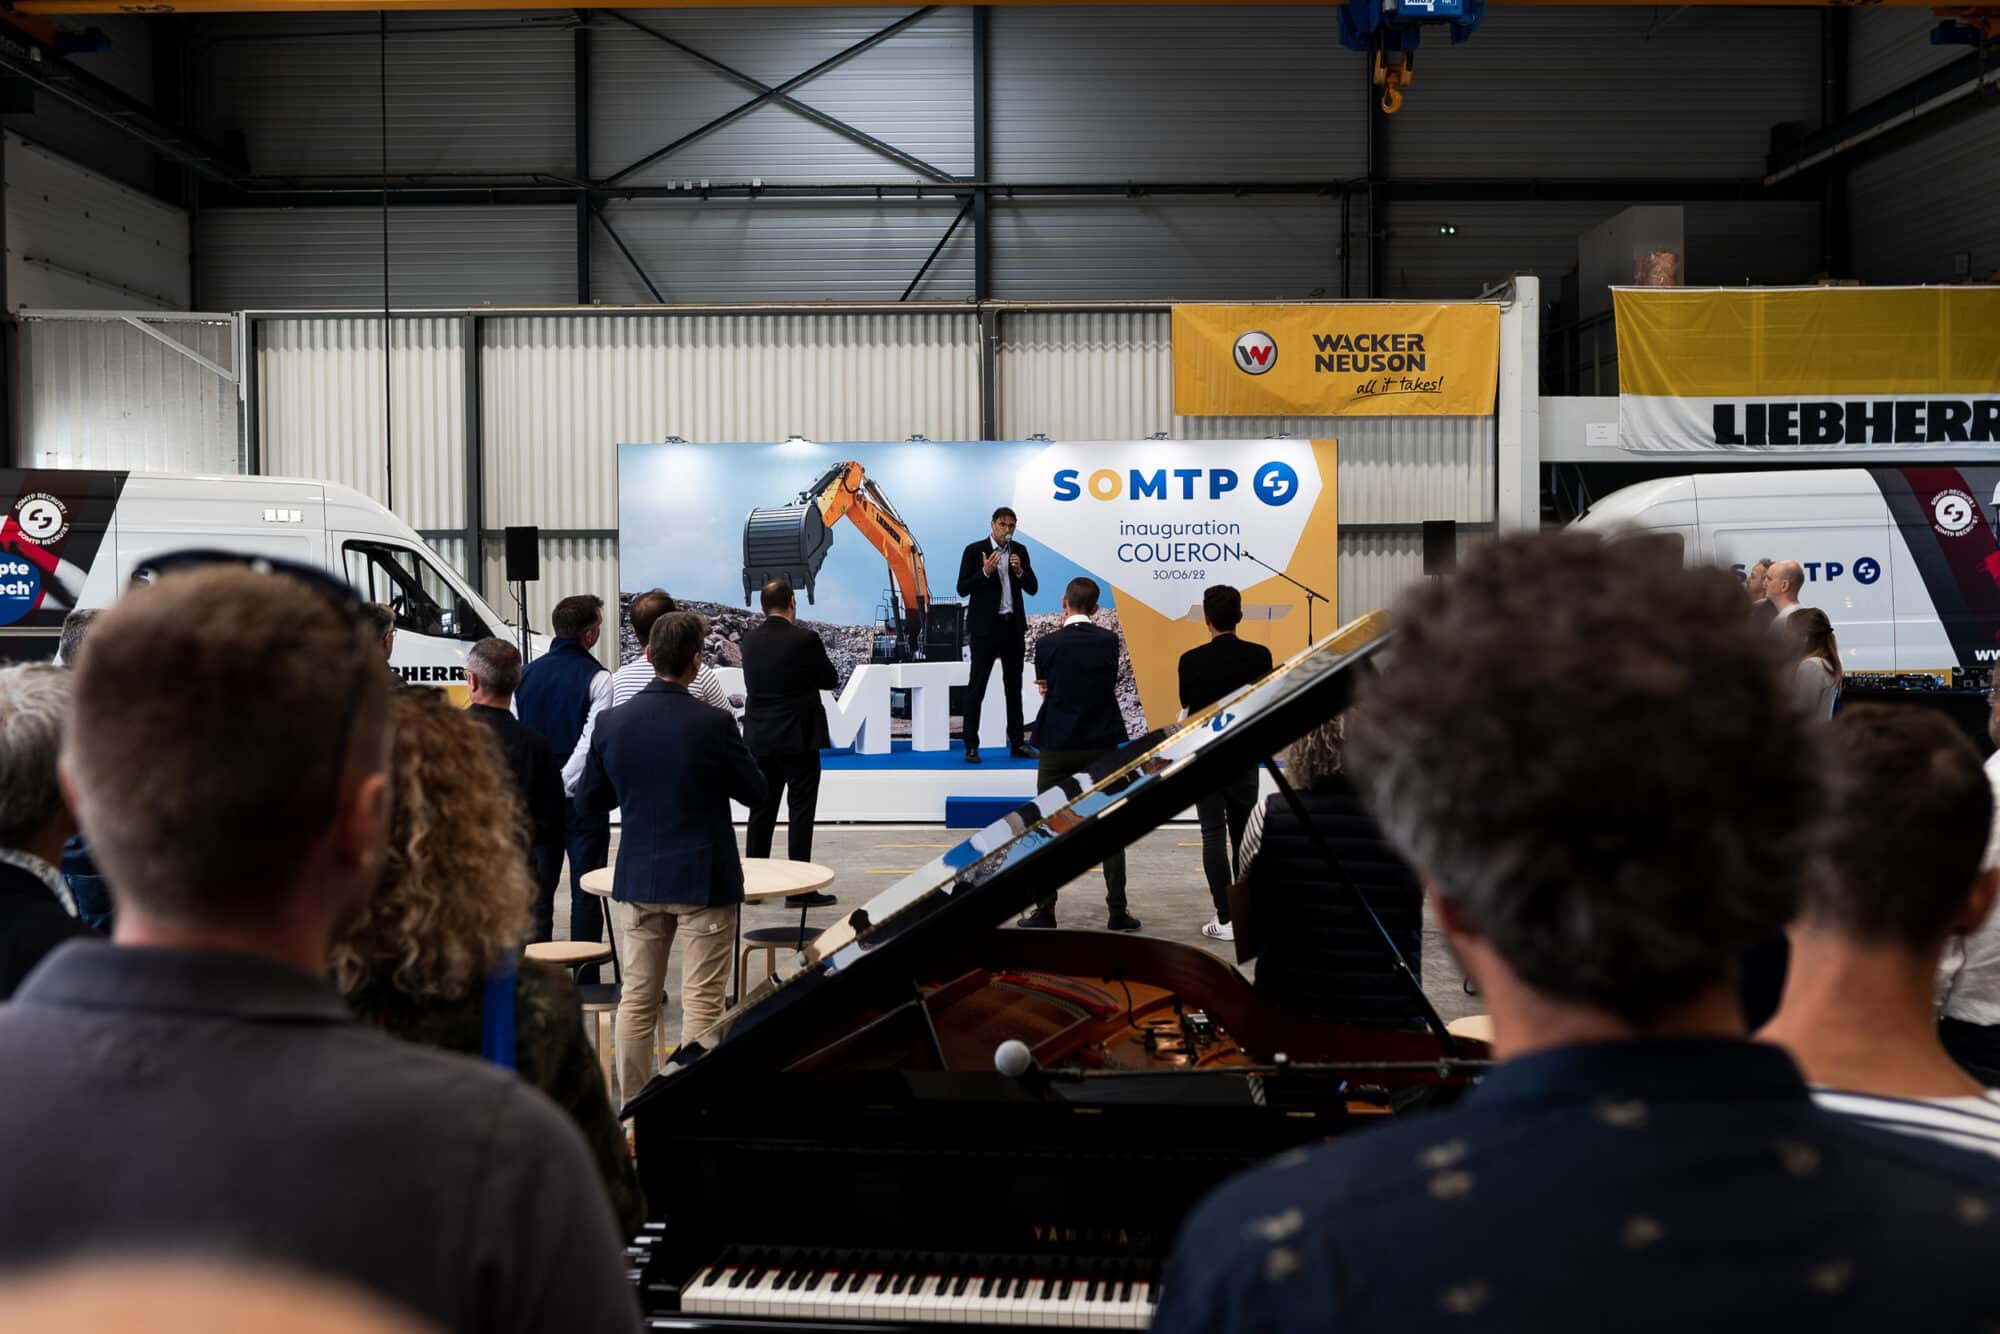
455,892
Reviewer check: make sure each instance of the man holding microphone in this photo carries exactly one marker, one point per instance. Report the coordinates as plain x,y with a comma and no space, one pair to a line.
992,576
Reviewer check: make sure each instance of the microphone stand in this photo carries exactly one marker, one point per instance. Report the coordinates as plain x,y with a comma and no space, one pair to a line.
1312,594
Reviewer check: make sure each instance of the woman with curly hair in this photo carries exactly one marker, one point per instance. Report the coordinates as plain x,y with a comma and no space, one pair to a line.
450,914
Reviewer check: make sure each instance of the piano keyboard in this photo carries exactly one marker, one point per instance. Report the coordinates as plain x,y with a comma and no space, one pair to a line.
932,1289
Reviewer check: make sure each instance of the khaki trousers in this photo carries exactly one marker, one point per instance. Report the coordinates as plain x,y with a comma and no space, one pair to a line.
647,930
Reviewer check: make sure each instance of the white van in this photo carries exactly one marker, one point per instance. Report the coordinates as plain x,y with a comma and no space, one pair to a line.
72,538
1904,561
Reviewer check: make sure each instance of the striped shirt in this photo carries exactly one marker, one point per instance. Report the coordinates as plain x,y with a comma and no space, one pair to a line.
1965,1123
626,682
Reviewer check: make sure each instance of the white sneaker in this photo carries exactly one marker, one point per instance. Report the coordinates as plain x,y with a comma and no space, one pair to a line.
1215,930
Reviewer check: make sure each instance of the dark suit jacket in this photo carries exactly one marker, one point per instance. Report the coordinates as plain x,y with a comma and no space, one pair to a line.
536,771
784,668
982,590
672,764
1080,712
32,922
1220,667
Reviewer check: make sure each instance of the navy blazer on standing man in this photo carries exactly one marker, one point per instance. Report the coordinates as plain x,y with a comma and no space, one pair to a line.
672,764
1080,711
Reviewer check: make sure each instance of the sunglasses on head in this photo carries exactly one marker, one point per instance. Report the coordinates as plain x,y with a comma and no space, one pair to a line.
336,592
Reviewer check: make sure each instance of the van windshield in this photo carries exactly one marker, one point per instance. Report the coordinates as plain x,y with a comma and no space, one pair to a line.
408,584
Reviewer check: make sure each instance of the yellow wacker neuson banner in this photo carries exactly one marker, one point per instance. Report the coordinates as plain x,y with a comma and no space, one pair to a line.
1813,368
1336,360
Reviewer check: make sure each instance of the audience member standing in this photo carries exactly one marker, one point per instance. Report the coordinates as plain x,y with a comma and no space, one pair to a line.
1317,952
435,956
1599,859
37,908
1076,669
1222,666
381,627
672,765
79,869
492,673
1756,582
1970,1025
1902,876
1816,677
1782,583
230,1103
557,693
634,676
784,723
992,576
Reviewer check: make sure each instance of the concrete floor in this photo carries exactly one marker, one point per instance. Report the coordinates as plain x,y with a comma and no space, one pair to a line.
1165,887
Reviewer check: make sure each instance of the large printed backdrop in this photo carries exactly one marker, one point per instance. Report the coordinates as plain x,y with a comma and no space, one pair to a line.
1153,522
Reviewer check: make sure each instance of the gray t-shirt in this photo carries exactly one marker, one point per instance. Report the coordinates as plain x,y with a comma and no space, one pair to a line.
187,1102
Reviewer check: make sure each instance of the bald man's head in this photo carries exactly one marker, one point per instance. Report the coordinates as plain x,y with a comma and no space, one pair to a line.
1783,582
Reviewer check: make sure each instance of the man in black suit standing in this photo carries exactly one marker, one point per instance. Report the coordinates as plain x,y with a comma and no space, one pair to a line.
672,764
492,674
784,722
1222,666
1076,669
992,576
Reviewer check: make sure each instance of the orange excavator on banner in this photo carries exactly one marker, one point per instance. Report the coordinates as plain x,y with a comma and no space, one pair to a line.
790,542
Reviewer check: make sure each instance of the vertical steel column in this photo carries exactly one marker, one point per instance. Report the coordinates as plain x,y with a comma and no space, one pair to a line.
1833,54
580,91
475,450
1378,173
982,197
250,376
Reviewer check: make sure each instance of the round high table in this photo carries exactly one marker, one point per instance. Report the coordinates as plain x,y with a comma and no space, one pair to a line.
764,879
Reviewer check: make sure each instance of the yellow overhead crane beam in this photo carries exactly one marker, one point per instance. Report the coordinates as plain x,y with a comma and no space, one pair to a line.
373,6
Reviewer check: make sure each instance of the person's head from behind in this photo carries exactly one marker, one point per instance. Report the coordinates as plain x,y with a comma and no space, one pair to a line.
1811,635
1080,597
455,892
1782,582
1318,755
381,627
493,672
1575,744
643,610
674,648
75,627
228,755
34,711
1222,608
777,599
1756,577
1912,810
578,617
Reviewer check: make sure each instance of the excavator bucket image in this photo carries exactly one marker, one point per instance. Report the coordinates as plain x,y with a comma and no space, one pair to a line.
790,542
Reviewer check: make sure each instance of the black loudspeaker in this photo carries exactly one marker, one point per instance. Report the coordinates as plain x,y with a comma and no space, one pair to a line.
524,555
1440,546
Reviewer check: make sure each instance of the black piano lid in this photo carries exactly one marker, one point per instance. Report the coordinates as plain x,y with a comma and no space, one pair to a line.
1030,853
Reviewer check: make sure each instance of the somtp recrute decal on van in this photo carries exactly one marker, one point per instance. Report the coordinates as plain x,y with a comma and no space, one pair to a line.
71,538
1904,561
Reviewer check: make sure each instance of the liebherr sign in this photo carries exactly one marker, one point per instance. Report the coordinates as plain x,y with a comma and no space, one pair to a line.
1822,369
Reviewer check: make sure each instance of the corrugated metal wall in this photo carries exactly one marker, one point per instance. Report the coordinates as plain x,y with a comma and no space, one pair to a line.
78,240
913,90
487,92
101,394
1916,207
331,258
1886,48
1247,250
320,410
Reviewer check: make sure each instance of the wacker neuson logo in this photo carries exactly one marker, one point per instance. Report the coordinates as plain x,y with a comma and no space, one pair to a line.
1256,352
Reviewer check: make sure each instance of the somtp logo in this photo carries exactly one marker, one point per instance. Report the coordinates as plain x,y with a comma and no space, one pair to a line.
1256,352
1275,483
42,517
1953,513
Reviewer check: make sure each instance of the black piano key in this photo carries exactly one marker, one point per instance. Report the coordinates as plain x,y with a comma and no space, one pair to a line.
736,1280
1090,1293
902,1281
1062,1293
1125,1291
819,1276
1048,1288
797,1279
958,1289
986,1286
883,1280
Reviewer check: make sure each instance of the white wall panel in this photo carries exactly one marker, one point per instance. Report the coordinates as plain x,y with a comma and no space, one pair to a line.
78,239
486,92
1657,91
331,258
569,566
1886,48
912,90
781,251
561,393
321,412
101,394
1375,568
1912,209
1269,248
1174,94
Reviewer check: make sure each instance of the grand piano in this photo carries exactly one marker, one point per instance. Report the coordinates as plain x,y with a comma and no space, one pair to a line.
928,1119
